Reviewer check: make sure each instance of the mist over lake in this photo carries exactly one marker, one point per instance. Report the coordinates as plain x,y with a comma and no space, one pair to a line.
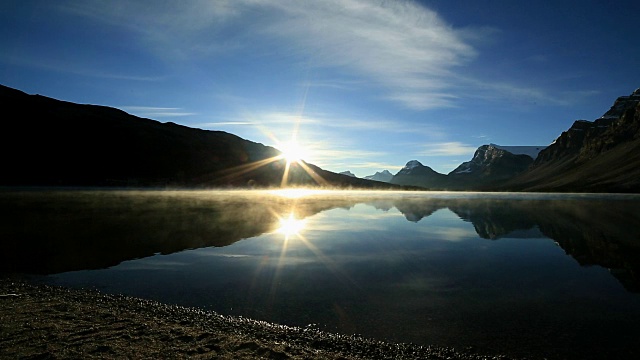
506,272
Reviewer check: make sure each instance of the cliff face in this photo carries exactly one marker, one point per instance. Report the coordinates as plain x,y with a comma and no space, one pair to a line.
490,163
599,156
571,142
586,139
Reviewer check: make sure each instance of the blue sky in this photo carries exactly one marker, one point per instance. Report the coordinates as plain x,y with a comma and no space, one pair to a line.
369,85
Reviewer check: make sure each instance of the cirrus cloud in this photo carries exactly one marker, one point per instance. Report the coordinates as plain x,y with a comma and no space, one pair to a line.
452,148
405,49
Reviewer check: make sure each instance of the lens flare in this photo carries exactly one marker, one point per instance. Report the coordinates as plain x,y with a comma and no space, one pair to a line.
293,152
291,226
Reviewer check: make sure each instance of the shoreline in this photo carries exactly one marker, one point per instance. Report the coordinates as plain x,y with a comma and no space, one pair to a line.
48,322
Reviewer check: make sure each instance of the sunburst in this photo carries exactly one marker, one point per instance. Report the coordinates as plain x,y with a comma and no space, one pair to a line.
293,152
290,226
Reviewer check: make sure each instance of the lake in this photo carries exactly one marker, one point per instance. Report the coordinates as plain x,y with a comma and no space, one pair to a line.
547,275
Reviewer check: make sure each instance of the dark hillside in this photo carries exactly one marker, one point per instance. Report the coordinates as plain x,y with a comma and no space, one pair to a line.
48,142
599,156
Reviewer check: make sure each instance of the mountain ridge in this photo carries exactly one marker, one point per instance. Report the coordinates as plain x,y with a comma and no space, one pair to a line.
50,142
384,176
591,156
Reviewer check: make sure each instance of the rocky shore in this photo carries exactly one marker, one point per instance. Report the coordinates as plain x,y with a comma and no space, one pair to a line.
45,322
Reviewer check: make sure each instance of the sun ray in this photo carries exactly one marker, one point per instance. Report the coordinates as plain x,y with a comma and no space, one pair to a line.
315,176
285,174
294,154
246,168
237,171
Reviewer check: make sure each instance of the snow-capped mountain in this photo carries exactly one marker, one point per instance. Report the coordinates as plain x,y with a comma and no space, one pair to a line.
384,176
493,162
531,151
411,165
416,174
490,164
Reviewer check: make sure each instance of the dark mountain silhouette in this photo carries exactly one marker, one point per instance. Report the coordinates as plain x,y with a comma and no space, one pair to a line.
416,174
48,142
489,165
598,156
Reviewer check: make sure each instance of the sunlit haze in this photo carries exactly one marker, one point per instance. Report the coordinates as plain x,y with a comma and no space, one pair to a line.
360,85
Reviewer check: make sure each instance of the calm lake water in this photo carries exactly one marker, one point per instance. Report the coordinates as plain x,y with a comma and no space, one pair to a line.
554,275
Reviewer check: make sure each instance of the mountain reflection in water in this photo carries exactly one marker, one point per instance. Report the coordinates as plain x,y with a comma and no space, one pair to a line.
58,231
451,269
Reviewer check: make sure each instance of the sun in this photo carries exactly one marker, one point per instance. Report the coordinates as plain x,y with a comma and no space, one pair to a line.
293,152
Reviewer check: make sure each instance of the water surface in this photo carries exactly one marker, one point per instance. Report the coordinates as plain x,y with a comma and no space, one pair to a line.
530,274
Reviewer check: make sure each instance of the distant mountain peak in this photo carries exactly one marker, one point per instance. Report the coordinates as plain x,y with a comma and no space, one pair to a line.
495,162
412,164
622,104
531,151
384,176
416,174
348,173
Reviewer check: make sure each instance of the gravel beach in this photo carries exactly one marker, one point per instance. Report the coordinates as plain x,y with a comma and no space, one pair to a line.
45,322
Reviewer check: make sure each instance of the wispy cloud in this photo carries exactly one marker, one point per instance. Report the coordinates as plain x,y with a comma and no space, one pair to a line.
156,112
520,94
453,148
276,120
338,157
223,123
334,84
377,165
403,49
400,46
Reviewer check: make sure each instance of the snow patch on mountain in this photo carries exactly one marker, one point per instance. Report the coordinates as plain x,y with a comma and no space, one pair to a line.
412,165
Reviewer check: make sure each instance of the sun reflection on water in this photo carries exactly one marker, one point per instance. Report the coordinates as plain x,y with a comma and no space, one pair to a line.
290,226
